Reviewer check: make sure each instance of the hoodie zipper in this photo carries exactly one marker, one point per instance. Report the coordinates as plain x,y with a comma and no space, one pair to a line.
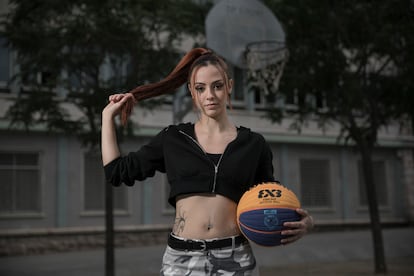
216,167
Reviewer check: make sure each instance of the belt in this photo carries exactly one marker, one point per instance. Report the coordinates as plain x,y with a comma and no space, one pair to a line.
202,245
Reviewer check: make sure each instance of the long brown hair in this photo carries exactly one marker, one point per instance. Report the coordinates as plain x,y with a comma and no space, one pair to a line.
181,74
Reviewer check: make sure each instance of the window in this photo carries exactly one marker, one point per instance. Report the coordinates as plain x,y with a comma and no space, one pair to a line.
4,65
237,95
320,101
40,78
94,186
315,100
20,183
78,80
380,183
294,99
315,184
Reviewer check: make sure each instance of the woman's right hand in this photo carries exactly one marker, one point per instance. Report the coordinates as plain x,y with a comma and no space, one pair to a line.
116,101
109,145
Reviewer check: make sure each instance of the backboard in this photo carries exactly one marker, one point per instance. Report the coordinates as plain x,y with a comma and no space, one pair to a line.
232,25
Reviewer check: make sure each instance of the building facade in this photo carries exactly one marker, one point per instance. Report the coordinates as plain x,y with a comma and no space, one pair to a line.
50,181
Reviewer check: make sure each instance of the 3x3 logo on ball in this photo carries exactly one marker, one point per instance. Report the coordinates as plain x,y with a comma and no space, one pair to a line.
269,193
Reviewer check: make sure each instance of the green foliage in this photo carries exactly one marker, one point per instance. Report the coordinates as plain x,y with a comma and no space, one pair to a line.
350,62
41,108
81,51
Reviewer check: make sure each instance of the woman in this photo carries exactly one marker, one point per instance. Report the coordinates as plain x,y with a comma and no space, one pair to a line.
209,165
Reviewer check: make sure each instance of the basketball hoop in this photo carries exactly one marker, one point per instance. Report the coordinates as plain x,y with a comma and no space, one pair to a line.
249,36
266,61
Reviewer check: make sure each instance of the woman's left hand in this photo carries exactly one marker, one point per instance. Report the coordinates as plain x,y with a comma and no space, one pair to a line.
297,229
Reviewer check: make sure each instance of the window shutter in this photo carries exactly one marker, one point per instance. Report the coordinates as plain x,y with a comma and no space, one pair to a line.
315,184
20,183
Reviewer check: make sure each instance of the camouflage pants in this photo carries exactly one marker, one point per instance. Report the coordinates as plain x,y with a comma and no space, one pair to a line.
238,261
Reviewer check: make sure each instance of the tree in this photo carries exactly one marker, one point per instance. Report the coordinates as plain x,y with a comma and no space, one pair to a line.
72,54
349,63
79,52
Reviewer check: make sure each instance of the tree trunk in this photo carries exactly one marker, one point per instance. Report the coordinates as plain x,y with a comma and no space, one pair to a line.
378,245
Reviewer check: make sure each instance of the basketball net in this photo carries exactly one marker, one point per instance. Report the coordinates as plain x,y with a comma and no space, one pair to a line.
266,61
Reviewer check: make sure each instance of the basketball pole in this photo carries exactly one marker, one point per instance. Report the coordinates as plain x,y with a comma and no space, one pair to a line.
109,231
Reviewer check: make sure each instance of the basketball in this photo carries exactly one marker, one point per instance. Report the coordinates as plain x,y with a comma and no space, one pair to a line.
263,209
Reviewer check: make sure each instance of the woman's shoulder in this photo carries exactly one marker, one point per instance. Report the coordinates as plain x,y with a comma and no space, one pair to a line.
185,127
250,133
175,129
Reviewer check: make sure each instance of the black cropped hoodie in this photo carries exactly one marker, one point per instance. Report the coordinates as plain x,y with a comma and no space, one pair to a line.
246,161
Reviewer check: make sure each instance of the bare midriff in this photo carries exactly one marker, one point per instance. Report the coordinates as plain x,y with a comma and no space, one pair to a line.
205,216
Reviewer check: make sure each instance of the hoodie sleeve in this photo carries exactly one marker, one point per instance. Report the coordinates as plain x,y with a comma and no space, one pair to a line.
137,165
265,170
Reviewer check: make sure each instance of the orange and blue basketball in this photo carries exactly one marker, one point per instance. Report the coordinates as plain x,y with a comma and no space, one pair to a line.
263,209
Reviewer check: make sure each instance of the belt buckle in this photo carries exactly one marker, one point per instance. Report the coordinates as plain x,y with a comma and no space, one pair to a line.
203,245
